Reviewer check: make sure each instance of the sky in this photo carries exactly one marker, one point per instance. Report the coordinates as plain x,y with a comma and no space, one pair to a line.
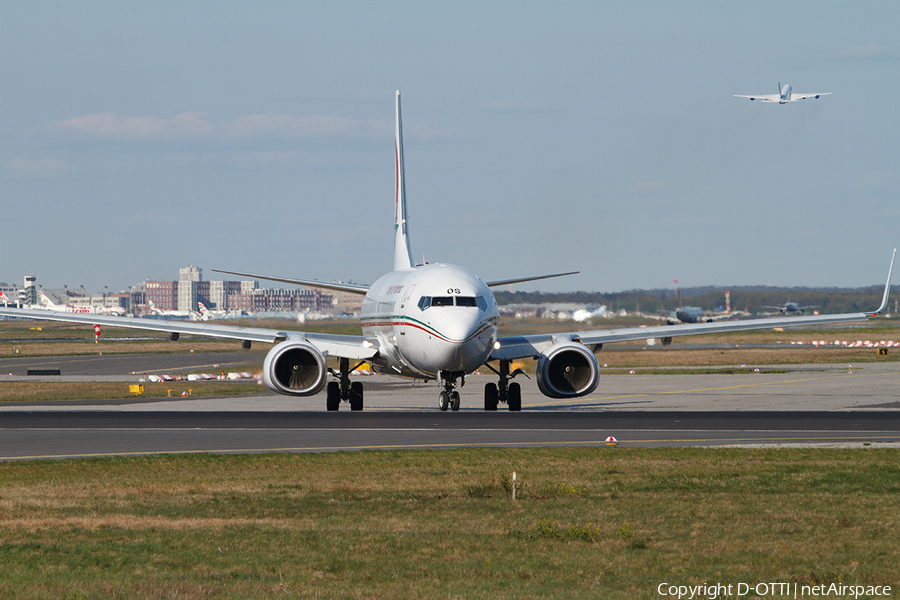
137,138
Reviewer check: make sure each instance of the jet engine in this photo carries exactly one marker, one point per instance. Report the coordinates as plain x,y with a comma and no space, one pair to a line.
295,368
567,370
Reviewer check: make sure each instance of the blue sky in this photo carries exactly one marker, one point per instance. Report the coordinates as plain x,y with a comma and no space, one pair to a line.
137,138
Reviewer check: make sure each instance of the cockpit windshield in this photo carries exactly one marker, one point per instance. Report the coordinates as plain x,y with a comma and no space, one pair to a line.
426,302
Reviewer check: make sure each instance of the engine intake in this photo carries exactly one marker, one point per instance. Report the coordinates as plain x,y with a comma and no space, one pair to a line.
295,369
567,371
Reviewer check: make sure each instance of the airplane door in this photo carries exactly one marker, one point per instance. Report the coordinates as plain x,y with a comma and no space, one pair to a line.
404,308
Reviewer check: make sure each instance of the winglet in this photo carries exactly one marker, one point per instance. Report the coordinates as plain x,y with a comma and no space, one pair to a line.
887,288
402,254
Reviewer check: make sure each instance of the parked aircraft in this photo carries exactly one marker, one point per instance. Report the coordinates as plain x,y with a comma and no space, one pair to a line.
48,304
785,94
436,322
5,299
206,314
159,312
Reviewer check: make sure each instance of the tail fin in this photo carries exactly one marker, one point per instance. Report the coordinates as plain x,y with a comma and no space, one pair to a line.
45,300
402,254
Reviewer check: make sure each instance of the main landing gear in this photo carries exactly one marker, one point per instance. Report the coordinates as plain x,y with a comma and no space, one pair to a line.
449,398
336,392
503,391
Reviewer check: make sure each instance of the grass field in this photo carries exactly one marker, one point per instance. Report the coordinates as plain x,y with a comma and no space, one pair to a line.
588,523
43,391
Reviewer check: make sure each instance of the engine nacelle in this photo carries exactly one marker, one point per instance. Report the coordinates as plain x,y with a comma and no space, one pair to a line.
567,371
295,368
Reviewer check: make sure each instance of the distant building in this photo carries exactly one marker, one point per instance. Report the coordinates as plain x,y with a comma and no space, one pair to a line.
190,273
346,302
163,294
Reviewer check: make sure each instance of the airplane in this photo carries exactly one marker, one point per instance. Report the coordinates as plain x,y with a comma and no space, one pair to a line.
48,304
434,322
585,314
791,308
168,313
687,314
5,299
206,314
785,94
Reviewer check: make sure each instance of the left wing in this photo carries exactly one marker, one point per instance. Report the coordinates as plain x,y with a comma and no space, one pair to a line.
795,97
511,348
344,346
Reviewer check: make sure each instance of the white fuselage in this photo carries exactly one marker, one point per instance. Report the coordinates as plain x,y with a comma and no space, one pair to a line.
785,94
431,318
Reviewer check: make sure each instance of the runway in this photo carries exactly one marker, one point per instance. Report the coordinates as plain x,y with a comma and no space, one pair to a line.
33,435
818,405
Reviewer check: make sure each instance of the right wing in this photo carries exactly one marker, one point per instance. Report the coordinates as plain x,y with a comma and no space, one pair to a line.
762,97
343,346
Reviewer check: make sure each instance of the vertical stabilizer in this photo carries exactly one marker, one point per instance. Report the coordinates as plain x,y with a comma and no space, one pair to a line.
402,254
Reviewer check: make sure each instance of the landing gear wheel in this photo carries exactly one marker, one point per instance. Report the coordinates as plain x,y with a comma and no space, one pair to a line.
515,397
444,400
454,401
356,396
333,396
491,396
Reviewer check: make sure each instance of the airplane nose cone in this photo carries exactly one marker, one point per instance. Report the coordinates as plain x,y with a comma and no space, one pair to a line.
467,343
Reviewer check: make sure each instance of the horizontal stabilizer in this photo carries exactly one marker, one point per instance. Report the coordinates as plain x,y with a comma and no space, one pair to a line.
328,285
523,279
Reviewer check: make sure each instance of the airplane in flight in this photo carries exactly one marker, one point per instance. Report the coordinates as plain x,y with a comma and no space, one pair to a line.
785,94
434,322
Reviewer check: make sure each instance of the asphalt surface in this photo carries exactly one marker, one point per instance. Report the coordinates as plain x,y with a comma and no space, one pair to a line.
810,405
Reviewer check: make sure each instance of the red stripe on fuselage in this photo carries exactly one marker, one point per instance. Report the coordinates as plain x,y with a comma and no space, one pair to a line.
428,331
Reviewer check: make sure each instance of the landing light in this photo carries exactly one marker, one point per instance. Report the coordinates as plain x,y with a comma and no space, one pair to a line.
496,345
366,344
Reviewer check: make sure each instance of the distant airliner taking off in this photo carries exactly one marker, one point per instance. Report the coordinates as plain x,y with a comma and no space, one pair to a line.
785,94
436,322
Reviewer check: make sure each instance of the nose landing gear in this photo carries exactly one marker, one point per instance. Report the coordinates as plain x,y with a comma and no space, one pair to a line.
503,391
449,398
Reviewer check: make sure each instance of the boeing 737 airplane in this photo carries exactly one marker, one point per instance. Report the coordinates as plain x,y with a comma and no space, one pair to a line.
784,95
434,322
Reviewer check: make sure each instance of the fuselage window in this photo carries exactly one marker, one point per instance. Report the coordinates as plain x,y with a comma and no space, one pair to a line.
466,301
442,301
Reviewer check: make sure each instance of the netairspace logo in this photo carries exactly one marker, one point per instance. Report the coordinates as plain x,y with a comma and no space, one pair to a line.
771,590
